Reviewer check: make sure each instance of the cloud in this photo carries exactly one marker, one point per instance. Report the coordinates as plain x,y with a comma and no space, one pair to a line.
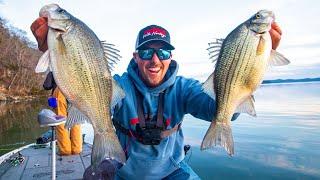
192,24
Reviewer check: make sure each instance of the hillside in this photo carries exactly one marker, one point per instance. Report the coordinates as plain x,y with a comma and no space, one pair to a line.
18,59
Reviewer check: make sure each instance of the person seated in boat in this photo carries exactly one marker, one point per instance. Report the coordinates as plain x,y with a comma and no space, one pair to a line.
148,120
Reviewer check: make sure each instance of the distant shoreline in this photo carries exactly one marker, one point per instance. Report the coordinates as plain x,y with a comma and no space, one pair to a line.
4,98
275,81
17,98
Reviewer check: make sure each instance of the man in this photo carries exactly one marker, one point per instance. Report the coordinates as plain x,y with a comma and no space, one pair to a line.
148,120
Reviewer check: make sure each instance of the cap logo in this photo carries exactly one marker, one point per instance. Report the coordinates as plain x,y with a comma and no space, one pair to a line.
154,31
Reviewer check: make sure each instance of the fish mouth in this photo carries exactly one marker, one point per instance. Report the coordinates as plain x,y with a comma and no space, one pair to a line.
56,17
261,28
58,30
261,32
47,9
58,27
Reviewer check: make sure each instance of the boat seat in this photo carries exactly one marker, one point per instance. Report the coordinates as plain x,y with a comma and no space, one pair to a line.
46,117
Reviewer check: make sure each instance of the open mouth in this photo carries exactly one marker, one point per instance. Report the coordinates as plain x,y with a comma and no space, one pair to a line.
154,70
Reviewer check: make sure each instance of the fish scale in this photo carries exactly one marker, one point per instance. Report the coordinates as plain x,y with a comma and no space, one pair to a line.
241,64
81,70
235,65
226,62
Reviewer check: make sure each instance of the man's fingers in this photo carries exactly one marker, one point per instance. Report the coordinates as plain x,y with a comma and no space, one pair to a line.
275,37
275,33
39,29
276,27
37,23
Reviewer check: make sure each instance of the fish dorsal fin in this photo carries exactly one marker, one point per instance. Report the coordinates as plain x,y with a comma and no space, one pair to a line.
117,94
110,54
75,116
214,49
43,63
247,107
277,59
208,86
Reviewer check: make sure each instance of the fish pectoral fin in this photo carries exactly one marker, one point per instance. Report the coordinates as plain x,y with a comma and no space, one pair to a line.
277,59
111,55
261,46
75,116
43,63
247,107
61,46
208,86
117,94
214,49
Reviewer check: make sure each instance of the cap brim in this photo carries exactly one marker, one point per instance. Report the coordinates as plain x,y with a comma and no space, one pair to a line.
167,45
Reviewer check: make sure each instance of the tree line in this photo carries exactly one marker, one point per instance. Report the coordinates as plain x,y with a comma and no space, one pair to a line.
18,59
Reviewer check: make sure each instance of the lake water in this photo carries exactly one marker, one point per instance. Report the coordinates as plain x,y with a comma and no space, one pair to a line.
18,124
282,142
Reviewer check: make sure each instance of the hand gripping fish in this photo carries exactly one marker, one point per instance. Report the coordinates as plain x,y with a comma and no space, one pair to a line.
241,61
81,64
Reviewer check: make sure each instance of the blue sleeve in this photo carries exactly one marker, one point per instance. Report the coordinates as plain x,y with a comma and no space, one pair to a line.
114,109
198,103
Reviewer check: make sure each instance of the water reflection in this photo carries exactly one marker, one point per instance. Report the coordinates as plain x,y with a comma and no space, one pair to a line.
281,143
18,125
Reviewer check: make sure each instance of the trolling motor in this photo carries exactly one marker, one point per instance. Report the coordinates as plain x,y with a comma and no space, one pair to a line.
48,118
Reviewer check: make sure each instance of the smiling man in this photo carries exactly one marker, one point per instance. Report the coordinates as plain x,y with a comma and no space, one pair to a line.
156,101
153,54
148,120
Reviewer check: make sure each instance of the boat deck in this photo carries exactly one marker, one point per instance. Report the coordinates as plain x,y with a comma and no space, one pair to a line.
37,164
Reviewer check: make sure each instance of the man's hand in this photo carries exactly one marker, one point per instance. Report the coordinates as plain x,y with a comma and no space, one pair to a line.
39,29
275,33
106,170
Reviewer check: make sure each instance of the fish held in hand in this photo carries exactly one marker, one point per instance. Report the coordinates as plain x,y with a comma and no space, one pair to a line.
241,61
81,65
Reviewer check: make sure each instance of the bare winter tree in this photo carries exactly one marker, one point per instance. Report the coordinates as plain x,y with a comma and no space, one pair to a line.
18,59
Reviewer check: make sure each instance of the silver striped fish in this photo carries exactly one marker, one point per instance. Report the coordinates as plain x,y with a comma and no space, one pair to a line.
81,64
241,61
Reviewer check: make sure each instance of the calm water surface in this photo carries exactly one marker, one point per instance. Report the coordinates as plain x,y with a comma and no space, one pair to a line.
283,142
18,124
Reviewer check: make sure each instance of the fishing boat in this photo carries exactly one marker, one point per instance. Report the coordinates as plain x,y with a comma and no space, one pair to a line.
40,161
33,161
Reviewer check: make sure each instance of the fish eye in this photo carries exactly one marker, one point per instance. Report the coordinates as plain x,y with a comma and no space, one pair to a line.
60,10
258,16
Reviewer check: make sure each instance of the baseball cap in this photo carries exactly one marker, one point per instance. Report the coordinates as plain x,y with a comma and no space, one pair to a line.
153,33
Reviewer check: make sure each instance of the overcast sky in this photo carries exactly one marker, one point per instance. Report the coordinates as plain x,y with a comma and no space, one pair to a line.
192,24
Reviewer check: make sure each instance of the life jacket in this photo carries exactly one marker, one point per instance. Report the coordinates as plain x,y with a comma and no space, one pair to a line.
149,131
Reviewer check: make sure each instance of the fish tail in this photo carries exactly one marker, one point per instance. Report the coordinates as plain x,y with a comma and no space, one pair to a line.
221,134
106,146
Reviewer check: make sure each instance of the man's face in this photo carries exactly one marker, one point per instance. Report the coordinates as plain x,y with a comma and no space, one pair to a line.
152,71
